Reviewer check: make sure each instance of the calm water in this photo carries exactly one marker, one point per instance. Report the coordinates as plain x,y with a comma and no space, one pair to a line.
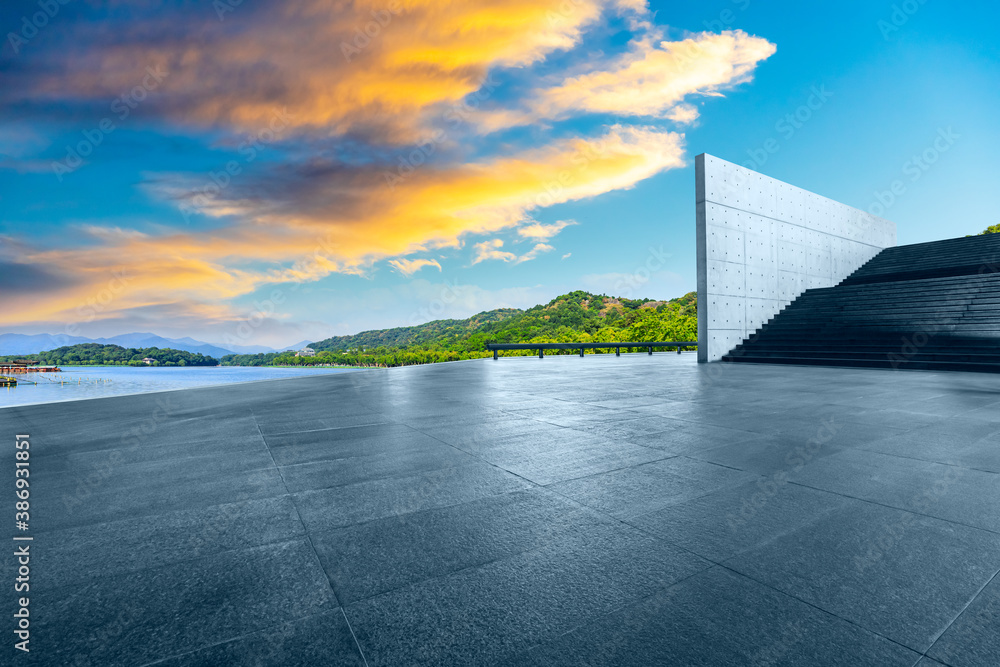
76,382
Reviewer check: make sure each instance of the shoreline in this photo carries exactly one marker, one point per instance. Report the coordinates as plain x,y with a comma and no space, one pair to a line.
159,391
64,366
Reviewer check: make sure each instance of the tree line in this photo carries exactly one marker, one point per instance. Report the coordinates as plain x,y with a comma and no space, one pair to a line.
96,354
577,317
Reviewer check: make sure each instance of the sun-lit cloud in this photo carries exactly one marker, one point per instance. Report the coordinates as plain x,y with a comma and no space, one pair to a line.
491,250
543,232
299,225
654,79
376,66
332,195
539,249
410,266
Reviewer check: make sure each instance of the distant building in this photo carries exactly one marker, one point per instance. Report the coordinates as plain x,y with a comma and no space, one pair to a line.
306,352
149,361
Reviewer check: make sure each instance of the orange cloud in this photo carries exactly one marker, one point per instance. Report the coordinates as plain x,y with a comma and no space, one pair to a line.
385,72
315,232
379,66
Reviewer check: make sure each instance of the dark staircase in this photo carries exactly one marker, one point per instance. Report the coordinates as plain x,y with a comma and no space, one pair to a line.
928,306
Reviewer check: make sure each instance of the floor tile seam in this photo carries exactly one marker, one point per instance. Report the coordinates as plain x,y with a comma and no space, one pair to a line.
821,609
120,489
686,499
823,513
933,462
334,428
312,546
357,643
691,457
968,604
387,454
625,605
624,522
465,568
194,459
605,472
279,494
703,423
899,509
324,531
74,589
318,561
638,415
229,640
479,458
193,559
70,452
394,476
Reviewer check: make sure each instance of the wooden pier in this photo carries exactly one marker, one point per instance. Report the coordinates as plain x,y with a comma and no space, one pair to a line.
24,366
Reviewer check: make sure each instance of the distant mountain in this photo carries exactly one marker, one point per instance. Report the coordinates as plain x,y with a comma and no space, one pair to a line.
293,348
144,340
30,344
12,343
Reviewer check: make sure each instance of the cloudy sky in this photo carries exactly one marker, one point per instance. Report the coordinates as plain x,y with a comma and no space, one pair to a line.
266,172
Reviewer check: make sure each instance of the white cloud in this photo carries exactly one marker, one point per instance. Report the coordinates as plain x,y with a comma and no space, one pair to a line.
542,232
653,79
535,252
410,266
491,250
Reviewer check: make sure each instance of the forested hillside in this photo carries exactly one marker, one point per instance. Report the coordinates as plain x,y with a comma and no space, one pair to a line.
95,354
571,318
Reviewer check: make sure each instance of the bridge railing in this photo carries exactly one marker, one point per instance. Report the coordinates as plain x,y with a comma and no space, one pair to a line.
496,348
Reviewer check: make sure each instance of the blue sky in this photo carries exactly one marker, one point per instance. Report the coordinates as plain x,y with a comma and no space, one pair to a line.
310,238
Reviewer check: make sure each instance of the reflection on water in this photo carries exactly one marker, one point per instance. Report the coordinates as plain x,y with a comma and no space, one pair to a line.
76,382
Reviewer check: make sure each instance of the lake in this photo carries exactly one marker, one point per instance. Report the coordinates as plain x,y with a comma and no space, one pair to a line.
77,382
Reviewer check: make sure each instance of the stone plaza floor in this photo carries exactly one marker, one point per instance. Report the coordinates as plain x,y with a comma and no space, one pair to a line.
566,511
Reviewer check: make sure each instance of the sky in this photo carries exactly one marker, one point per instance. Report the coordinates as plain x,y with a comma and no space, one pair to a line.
260,173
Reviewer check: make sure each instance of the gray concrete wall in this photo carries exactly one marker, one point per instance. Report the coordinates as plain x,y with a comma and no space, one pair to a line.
762,242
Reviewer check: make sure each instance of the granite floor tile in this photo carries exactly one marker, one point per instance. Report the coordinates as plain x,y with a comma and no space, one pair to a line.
485,614
973,638
948,492
142,616
322,639
370,558
718,617
732,520
901,575
366,501
638,490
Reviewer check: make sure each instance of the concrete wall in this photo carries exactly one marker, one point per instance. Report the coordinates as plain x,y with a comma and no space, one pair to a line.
761,243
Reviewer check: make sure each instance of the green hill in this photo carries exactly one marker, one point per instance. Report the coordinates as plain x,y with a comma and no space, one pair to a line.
571,318
424,334
96,354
